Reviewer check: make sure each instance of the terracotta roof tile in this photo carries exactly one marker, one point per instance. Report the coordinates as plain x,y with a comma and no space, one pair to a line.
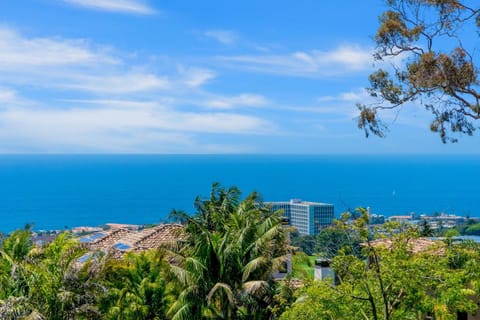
127,240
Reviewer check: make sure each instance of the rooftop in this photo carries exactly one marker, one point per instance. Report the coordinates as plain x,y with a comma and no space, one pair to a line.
300,202
122,239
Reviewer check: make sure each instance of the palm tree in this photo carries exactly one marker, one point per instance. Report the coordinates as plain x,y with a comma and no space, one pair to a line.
136,287
224,269
14,287
43,282
57,287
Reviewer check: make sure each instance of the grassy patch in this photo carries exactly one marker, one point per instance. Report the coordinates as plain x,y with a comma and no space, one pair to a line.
303,265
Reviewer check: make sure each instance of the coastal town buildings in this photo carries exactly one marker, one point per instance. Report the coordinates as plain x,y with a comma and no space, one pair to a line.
308,217
436,221
402,219
376,218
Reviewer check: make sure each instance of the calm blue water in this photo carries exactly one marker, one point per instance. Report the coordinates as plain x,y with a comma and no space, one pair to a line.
59,190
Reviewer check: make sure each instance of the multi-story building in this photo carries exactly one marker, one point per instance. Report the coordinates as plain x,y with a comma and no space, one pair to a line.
308,217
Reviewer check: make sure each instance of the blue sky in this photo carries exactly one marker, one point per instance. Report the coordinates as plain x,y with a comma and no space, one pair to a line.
183,76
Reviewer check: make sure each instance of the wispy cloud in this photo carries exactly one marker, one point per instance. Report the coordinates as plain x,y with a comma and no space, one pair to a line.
343,105
20,52
99,101
315,63
7,96
226,37
125,6
123,83
242,100
339,107
121,118
111,128
360,95
71,64
195,77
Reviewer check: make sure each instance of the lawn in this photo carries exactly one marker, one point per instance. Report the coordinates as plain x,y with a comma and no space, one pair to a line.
303,265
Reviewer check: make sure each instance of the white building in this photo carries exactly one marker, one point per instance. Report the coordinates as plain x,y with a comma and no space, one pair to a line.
308,217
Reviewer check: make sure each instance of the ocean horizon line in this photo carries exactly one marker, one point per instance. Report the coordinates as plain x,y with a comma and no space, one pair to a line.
54,191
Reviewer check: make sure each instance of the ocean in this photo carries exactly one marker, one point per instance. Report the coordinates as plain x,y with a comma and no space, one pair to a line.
64,191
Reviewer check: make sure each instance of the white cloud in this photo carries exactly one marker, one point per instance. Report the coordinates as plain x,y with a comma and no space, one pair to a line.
54,63
353,57
19,52
120,126
340,106
158,118
195,77
125,6
114,103
7,96
78,65
343,105
93,100
315,63
360,95
242,100
354,96
225,37
118,84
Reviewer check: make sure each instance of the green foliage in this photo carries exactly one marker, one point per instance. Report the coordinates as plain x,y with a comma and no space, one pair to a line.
331,240
284,297
425,230
438,69
305,243
55,285
43,282
18,244
473,229
451,233
137,287
303,265
319,301
224,269
394,282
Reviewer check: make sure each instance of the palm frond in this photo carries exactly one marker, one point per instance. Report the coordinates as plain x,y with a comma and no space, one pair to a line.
221,287
256,287
253,266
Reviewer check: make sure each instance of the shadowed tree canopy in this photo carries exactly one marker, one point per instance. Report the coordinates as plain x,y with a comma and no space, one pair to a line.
392,280
431,45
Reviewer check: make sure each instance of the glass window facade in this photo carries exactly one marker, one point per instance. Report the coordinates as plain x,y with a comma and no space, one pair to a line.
308,217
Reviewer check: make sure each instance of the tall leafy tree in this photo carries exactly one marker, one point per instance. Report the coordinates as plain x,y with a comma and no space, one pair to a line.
43,282
137,287
340,236
433,46
57,287
225,267
394,282
14,277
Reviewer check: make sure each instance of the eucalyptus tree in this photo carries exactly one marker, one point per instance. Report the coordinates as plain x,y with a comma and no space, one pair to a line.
224,268
432,45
